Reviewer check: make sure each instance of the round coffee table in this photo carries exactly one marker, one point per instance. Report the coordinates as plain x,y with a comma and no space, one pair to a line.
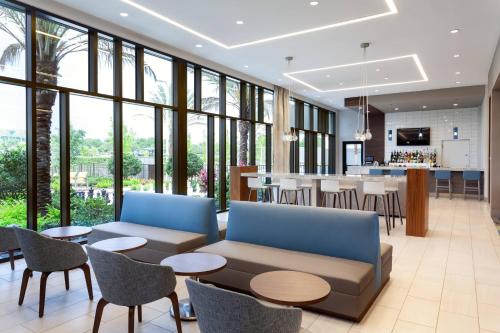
67,232
120,244
290,288
193,265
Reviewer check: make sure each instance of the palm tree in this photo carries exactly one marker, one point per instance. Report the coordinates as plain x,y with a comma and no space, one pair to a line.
54,42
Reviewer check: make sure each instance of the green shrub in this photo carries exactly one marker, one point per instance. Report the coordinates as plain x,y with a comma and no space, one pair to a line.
131,182
104,183
13,211
131,165
13,172
90,211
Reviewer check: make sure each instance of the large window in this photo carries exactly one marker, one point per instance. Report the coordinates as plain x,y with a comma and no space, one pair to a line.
128,71
12,39
138,148
190,87
157,78
91,160
197,155
12,156
232,97
209,92
168,150
105,54
61,54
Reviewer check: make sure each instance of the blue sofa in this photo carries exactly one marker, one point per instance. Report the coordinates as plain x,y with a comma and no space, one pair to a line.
171,223
342,246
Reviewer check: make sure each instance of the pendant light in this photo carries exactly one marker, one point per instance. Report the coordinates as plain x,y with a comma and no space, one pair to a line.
363,132
289,135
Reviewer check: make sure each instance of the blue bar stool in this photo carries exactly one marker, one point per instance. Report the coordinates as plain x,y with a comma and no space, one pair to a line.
376,172
445,177
397,172
472,176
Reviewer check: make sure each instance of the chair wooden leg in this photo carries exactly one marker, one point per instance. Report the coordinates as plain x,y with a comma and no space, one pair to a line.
131,316
98,314
139,313
334,200
177,315
250,194
387,220
323,199
399,208
43,288
66,279
350,199
24,284
281,197
364,202
393,195
437,191
11,259
449,187
356,198
88,280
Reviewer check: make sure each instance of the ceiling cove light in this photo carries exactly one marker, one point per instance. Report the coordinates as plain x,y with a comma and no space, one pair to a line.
391,10
415,58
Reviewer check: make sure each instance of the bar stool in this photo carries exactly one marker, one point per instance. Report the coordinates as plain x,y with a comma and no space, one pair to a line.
392,186
254,184
397,172
443,175
376,190
472,176
332,187
273,185
289,185
350,188
376,172
306,185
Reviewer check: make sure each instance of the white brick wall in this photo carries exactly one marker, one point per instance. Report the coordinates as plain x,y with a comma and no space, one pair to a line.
441,123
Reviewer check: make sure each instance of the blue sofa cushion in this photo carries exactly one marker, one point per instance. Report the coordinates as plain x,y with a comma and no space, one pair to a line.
337,233
177,212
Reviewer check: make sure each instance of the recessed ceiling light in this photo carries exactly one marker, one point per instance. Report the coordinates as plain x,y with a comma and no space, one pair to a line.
314,3
280,80
455,104
328,75
458,82
386,78
396,109
341,83
318,96
454,31
123,14
456,55
239,22
376,90
458,73
246,66
199,45
424,106
377,70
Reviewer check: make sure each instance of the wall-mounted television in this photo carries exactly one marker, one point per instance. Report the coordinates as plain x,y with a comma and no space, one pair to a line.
420,136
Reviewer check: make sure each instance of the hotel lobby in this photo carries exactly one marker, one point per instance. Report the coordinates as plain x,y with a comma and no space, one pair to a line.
260,166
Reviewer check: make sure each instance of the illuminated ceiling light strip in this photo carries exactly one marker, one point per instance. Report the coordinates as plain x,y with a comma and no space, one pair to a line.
175,23
392,9
413,56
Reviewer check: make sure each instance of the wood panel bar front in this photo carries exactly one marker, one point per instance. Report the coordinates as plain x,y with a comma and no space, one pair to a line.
417,202
239,184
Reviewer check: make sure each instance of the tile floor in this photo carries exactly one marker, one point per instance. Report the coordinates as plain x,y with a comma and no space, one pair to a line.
446,282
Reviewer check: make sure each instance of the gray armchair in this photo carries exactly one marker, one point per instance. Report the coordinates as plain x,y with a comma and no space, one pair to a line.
8,243
47,255
220,310
130,283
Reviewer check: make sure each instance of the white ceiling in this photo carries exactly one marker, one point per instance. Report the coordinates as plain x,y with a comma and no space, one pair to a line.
420,27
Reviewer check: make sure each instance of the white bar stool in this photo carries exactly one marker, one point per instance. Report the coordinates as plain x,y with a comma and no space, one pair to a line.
255,184
331,187
289,186
274,185
392,186
376,190
306,185
351,188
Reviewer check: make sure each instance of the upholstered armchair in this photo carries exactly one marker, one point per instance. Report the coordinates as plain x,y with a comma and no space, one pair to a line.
130,283
47,255
219,310
8,243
